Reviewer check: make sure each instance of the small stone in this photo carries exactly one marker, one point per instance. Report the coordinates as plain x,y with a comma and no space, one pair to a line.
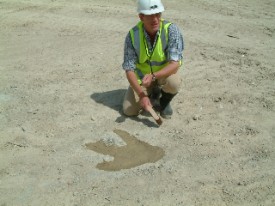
196,117
217,99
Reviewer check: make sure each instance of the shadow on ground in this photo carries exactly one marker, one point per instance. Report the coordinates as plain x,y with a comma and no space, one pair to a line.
113,99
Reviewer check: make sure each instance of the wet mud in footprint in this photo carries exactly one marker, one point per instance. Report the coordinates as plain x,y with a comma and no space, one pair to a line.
133,154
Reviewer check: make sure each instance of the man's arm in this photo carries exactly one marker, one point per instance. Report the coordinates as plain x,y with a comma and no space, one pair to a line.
130,58
132,79
167,71
143,98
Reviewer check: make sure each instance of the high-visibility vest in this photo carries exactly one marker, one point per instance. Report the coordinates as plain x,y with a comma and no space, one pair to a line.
149,62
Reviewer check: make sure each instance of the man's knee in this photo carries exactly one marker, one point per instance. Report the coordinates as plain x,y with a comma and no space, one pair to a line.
172,84
129,110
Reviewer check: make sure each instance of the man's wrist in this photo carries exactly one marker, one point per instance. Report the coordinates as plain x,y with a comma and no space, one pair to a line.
141,95
154,78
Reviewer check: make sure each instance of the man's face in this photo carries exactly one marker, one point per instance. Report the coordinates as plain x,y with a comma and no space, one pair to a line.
151,22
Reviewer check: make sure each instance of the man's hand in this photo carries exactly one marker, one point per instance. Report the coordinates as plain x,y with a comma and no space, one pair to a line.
144,101
147,80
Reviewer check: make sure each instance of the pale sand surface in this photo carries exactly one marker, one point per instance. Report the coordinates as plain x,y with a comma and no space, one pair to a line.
61,87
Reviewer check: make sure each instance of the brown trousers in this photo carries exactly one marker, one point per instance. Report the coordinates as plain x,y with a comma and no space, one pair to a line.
131,106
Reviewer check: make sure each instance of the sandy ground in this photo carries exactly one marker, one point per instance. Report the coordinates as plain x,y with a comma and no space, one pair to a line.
61,90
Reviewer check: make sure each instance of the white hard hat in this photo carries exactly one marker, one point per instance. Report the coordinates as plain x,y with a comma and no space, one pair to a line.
149,7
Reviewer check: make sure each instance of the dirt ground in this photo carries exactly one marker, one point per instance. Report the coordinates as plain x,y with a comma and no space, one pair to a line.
61,126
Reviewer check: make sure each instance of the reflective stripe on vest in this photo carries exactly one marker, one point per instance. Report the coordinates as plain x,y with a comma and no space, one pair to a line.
146,61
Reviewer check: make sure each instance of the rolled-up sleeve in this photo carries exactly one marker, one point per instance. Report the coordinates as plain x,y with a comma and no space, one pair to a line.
175,44
130,56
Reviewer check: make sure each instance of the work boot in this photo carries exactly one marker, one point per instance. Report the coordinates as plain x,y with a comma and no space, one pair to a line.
165,107
167,112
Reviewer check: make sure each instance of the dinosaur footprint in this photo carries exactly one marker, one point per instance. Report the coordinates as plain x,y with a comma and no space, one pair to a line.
133,154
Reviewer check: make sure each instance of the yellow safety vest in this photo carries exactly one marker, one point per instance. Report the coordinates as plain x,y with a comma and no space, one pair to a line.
149,62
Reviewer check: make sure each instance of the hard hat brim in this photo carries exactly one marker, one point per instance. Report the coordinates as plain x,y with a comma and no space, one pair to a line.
151,11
